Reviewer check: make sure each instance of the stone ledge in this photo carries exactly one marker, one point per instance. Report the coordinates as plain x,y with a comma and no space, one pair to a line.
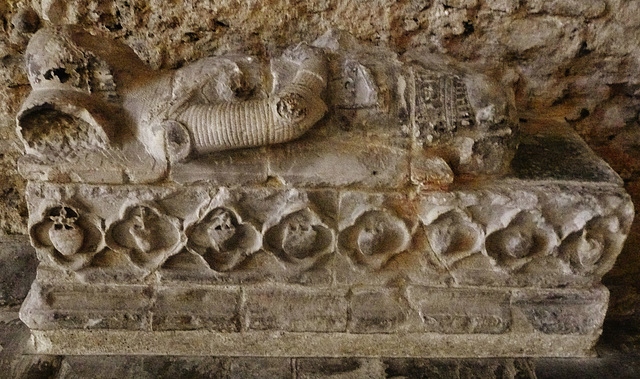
288,344
293,308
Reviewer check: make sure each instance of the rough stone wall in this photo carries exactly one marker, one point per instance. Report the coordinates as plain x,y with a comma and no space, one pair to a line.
573,59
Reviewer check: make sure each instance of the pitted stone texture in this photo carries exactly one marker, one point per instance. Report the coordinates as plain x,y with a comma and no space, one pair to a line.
317,310
375,310
282,344
100,115
563,312
80,307
461,311
517,233
18,263
586,9
508,6
189,308
601,71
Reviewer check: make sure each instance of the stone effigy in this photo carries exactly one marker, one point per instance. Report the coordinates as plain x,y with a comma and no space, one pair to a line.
339,200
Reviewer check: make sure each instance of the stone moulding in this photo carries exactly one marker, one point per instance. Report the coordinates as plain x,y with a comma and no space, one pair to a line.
341,201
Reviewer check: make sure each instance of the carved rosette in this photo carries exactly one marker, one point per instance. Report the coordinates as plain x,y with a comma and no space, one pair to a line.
527,237
374,238
300,237
69,236
454,236
222,239
146,235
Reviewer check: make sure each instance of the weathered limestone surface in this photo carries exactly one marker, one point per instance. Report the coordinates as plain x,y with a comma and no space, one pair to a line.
506,254
97,114
372,220
576,59
617,356
19,263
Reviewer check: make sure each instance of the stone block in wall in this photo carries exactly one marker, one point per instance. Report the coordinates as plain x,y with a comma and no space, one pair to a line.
461,310
296,309
378,310
567,311
508,6
323,367
19,264
461,368
97,307
196,307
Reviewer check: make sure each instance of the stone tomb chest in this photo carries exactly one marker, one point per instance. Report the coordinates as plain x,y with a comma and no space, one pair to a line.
338,200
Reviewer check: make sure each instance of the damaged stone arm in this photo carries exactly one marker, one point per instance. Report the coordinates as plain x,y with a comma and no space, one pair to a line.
286,115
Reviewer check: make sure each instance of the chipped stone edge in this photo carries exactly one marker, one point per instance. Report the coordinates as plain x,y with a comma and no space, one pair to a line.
305,344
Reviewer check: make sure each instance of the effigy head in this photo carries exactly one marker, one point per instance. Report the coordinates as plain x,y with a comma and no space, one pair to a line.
65,66
70,58
74,104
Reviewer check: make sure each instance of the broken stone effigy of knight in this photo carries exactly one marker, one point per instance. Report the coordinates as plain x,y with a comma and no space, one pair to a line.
371,202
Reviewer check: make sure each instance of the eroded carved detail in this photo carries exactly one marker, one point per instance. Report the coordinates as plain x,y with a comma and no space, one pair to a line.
71,237
355,87
453,236
526,237
67,237
94,98
375,237
255,122
585,248
300,237
222,239
73,76
442,105
148,236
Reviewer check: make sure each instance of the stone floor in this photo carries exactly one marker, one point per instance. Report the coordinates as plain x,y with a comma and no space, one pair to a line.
618,357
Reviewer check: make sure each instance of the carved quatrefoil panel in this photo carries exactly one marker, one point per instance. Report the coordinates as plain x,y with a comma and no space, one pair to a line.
585,249
69,236
146,234
222,239
528,236
300,237
453,236
375,237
